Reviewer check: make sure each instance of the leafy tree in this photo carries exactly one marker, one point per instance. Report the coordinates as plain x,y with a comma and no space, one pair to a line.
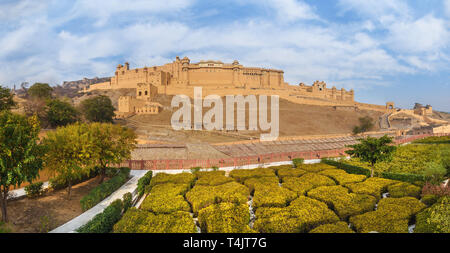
6,99
69,152
434,172
60,113
365,124
113,144
98,109
20,153
40,90
373,150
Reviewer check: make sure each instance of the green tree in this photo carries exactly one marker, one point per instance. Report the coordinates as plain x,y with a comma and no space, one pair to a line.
113,144
60,113
373,150
6,99
98,109
40,90
69,152
20,153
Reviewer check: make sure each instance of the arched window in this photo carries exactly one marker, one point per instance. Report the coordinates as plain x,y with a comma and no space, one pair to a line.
140,93
146,92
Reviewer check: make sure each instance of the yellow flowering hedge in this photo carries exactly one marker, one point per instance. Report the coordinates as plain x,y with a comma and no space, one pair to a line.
300,216
290,172
379,221
317,167
166,198
181,178
212,178
405,207
243,174
272,196
374,186
404,190
202,196
342,177
255,182
280,167
338,227
139,221
345,204
435,219
306,182
225,218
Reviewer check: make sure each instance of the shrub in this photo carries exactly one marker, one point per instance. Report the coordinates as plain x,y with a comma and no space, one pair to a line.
166,198
34,190
272,196
58,182
182,178
404,177
379,221
200,174
317,167
338,227
374,186
439,190
434,172
105,189
139,221
342,177
4,228
290,172
127,200
104,222
256,182
195,169
306,182
435,219
213,178
280,167
143,182
202,196
243,174
160,204
225,218
345,204
298,162
351,169
405,207
429,199
301,215
404,190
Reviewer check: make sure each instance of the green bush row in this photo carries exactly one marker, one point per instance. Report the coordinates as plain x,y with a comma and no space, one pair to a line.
34,190
351,169
58,183
102,191
104,222
143,182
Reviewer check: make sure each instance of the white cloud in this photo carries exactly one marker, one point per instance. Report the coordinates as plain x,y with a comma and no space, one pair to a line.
376,8
291,10
427,34
447,7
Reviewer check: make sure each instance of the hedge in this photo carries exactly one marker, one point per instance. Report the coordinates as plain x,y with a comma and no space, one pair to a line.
343,203
127,200
255,182
290,172
280,167
272,196
166,198
139,221
243,174
374,186
143,182
225,218
351,169
34,190
342,177
429,199
435,219
404,190
335,228
300,216
405,207
379,221
202,196
317,167
104,222
182,178
306,182
297,162
213,178
105,189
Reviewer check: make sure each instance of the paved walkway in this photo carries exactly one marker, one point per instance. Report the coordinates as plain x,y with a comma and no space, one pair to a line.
74,224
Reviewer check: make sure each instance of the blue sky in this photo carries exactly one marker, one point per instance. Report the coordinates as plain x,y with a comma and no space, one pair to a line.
386,50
